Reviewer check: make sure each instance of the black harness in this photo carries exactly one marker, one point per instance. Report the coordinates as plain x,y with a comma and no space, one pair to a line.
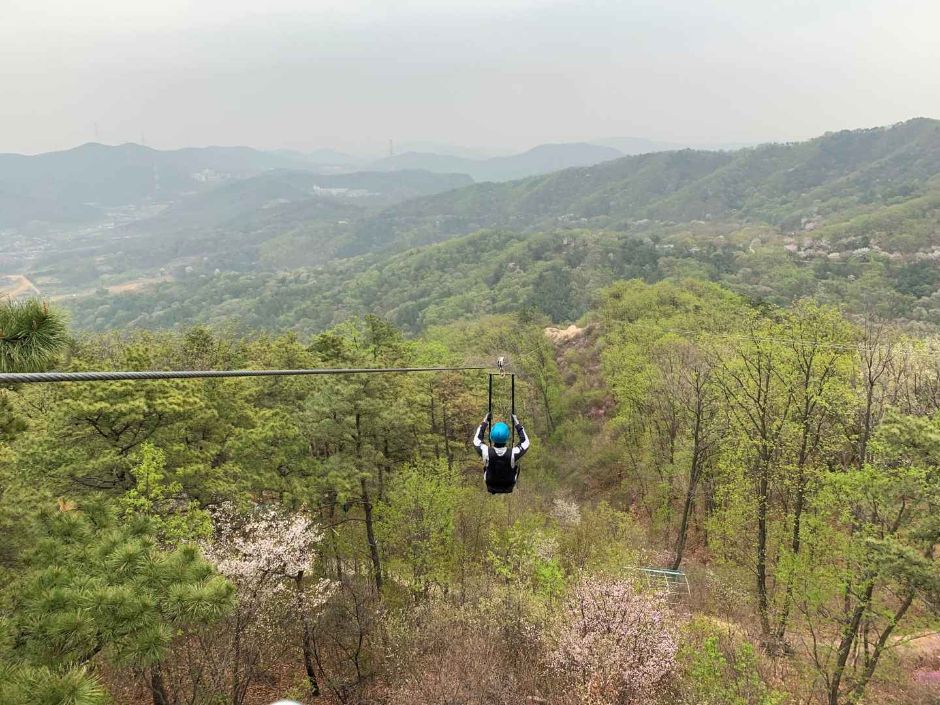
500,475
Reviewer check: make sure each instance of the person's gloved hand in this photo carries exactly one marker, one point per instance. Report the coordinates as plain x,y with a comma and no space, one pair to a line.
515,421
487,419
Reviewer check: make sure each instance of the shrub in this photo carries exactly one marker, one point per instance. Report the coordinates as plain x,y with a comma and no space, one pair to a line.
616,644
714,673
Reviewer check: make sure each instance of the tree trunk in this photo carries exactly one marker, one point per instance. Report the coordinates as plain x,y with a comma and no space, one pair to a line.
866,423
237,661
157,686
307,639
450,457
859,690
763,603
845,645
708,506
796,536
367,508
437,447
370,535
334,543
795,541
548,408
694,472
385,467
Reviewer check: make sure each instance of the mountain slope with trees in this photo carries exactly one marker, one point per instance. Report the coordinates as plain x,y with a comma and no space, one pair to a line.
328,538
782,185
849,218
885,262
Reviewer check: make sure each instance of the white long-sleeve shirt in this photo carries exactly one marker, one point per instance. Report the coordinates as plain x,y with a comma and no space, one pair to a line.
518,450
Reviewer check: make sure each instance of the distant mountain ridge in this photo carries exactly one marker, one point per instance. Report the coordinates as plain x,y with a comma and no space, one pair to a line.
777,183
238,203
849,216
640,145
538,160
76,185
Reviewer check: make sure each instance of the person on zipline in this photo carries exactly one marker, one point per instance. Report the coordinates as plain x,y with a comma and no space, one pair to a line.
500,464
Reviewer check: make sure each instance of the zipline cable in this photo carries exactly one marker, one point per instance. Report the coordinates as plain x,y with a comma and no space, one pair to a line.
119,376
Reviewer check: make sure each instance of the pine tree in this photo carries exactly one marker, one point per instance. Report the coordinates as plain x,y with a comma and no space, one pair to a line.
93,588
31,336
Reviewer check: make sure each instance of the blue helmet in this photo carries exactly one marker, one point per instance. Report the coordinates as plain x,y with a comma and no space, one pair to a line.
500,433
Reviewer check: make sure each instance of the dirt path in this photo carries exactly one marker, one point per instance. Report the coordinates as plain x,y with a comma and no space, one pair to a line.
123,288
17,285
137,284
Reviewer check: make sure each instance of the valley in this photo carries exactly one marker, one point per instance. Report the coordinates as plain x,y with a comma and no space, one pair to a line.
849,217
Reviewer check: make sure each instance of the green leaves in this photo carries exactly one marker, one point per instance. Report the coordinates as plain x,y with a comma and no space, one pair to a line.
163,500
416,523
719,673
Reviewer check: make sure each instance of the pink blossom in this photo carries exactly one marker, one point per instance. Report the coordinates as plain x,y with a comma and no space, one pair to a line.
617,644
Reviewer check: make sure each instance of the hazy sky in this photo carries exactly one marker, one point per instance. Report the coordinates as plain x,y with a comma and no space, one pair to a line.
499,73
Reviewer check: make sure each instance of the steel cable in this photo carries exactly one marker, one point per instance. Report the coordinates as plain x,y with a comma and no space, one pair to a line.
120,376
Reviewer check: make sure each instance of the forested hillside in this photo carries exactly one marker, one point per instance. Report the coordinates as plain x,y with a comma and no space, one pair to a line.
783,185
232,225
535,352
223,224
850,218
557,274
727,364
329,538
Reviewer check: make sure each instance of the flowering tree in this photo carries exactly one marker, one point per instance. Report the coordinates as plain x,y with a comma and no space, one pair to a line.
616,644
566,512
267,554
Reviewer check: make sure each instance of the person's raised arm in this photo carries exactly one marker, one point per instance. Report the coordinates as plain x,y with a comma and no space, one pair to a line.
523,438
480,434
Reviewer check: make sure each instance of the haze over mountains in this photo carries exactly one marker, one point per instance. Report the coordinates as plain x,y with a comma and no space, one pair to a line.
77,184
192,223
538,160
316,247
697,242
782,185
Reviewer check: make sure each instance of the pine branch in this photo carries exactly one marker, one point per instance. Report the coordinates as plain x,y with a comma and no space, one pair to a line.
31,335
